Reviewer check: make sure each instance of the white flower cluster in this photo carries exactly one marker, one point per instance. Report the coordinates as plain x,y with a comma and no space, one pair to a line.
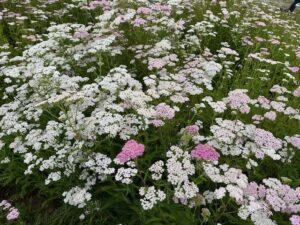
151,197
66,97
77,196
238,101
233,178
157,170
258,212
179,168
238,139
125,175
99,164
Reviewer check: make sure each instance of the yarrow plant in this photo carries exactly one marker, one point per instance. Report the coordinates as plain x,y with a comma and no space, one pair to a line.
139,112
12,213
205,152
130,150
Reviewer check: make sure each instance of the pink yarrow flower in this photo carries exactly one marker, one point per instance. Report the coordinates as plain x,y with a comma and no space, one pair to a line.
5,204
270,115
130,150
81,34
295,141
260,23
295,220
266,139
294,69
144,10
138,22
13,214
192,129
205,152
164,111
296,92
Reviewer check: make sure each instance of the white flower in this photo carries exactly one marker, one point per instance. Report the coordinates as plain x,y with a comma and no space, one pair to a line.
77,196
151,197
157,170
125,175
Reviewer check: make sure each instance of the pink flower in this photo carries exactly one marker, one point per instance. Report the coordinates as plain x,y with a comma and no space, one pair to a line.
266,139
144,10
162,8
260,24
294,69
296,92
270,115
81,34
139,22
295,220
13,214
237,99
205,152
255,190
274,42
130,150
192,129
247,41
156,63
5,204
278,89
264,51
158,123
102,3
259,39
295,141
164,111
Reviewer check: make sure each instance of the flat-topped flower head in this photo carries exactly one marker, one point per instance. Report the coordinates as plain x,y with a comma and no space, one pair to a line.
295,220
192,129
130,150
205,152
294,69
13,214
164,111
295,141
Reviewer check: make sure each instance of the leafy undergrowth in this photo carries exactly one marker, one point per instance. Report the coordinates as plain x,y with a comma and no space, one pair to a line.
176,112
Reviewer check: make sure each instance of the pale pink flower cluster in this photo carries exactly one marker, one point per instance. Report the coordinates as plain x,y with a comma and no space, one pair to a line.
156,63
264,102
282,198
260,23
294,69
99,3
130,150
205,152
144,10
81,34
165,8
295,141
278,89
298,54
270,115
295,220
13,213
296,92
192,129
266,139
237,99
162,111
138,22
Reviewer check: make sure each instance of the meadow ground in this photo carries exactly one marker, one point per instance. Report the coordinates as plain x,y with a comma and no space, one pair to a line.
178,112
